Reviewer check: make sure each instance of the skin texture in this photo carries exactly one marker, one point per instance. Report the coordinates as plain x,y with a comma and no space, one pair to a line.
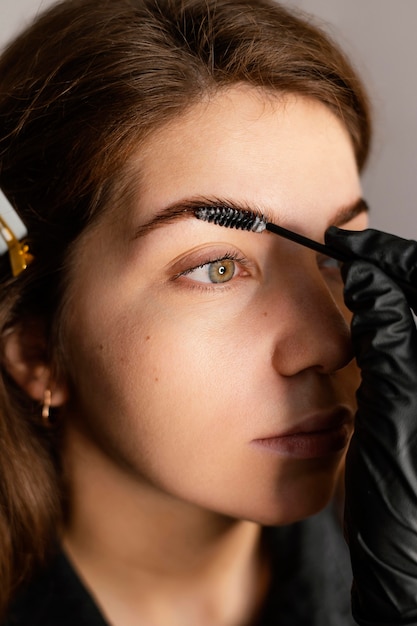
176,377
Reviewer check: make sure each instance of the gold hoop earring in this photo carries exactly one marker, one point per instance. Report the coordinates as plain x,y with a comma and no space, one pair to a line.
47,398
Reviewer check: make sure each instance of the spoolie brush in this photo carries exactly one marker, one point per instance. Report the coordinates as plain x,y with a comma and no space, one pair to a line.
247,220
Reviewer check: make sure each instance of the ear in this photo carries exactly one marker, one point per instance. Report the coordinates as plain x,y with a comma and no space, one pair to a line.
25,359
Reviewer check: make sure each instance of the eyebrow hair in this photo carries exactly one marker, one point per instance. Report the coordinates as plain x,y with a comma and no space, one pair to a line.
349,212
185,209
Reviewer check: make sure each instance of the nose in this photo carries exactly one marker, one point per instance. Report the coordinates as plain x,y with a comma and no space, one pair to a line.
314,333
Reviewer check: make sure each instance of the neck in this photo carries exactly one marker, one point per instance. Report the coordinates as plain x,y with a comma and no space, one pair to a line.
144,552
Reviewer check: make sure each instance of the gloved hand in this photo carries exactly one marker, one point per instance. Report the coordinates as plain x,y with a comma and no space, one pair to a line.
381,465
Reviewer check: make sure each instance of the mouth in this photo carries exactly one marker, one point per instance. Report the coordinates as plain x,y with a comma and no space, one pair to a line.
319,435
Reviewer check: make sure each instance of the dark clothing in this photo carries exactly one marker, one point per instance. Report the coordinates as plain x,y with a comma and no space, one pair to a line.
310,586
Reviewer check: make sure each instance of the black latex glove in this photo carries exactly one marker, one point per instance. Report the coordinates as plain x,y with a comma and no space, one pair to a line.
381,465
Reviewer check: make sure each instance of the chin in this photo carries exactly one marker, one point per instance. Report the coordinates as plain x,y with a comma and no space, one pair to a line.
294,512
295,502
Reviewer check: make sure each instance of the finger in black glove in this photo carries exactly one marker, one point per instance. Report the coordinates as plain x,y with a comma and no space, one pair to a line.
396,256
381,466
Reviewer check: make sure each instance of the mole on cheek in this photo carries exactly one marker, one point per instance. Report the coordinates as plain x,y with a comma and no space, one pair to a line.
265,314
148,337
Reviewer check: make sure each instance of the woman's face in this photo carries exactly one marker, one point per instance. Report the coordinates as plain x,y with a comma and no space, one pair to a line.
213,365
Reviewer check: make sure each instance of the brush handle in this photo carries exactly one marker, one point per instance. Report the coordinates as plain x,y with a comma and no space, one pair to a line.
310,243
346,254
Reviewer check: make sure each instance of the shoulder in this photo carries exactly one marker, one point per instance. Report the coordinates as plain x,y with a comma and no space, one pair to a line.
55,596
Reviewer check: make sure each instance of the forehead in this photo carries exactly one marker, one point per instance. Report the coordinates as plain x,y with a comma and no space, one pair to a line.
281,153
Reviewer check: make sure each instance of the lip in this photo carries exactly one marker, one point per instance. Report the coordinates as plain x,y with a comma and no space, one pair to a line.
319,435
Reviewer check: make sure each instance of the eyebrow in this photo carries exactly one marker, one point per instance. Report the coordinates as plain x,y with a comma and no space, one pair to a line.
349,212
185,209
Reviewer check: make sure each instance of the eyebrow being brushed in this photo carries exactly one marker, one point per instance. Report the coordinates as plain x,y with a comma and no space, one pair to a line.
187,208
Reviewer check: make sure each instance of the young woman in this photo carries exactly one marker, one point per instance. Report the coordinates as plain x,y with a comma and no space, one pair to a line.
176,396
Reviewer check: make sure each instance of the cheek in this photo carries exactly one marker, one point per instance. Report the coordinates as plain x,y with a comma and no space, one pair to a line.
172,398
176,393
159,374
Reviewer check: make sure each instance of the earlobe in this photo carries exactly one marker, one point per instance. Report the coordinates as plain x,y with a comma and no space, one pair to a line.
24,358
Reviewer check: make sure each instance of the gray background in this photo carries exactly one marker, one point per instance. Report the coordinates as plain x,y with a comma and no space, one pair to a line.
380,37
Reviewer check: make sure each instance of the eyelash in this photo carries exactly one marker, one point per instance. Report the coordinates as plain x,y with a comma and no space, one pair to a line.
330,269
325,264
230,256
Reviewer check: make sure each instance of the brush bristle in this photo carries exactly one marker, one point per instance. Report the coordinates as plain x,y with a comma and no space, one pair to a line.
231,218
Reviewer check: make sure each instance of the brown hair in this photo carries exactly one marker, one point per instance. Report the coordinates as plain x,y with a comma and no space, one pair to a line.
79,90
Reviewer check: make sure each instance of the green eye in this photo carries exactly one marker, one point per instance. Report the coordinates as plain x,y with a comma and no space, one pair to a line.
221,271
215,272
